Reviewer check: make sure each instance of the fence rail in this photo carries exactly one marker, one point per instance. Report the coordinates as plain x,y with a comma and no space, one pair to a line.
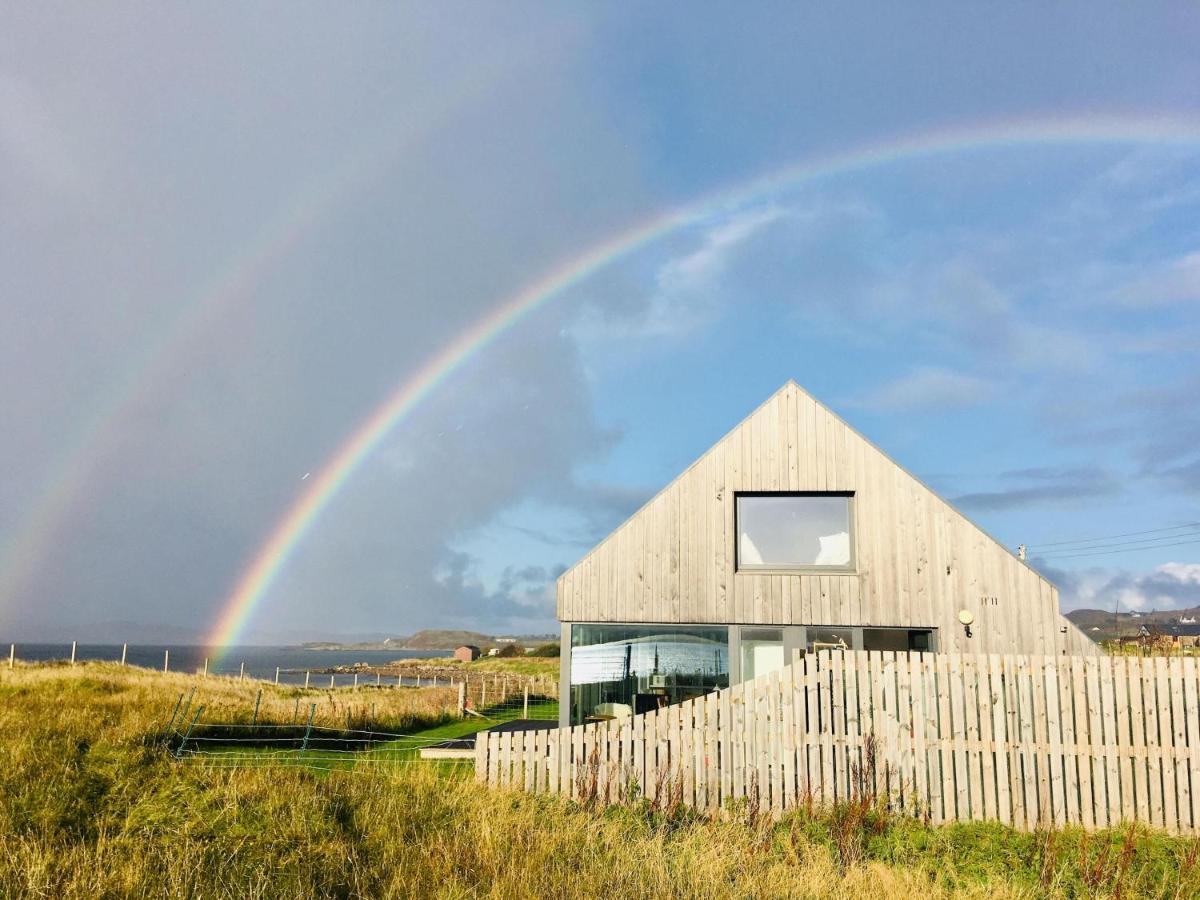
1026,740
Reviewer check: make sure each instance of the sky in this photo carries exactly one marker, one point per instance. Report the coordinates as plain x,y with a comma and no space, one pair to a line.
228,234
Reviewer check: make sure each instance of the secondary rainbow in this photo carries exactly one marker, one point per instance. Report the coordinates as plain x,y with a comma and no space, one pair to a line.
290,531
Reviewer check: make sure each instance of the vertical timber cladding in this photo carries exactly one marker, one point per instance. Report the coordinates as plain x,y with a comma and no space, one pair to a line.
918,560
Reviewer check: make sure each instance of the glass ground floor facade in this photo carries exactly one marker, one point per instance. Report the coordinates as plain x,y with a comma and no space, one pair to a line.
619,670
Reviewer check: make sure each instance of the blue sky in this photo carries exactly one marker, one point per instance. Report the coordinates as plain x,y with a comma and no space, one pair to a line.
226,235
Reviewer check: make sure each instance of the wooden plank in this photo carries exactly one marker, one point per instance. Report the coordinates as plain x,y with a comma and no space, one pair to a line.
1191,701
1166,741
1124,760
949,788
1054,756
1080,701
1098,739
1153,754
1137,720
970,692
998,707
987,757
1108,714
1179,744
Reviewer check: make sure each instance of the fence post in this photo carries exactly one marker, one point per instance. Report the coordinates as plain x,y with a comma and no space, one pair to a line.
188,705
178,703
72,653
483,695
356,681
166,659
12,655
418,679
277,674
399,679
312,711
462,698
195,719
331,679
525,706
378,679
206,667
242,671
124,648
257,701
296,711
306,674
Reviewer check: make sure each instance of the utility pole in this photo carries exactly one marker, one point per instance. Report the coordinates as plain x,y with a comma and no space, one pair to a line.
1021,551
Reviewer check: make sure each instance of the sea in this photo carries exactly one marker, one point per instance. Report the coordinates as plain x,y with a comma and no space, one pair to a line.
256,661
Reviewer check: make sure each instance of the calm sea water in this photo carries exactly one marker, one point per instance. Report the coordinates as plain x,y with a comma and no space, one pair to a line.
260,662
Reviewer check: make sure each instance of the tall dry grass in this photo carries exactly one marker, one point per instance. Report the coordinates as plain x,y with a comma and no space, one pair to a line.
90,806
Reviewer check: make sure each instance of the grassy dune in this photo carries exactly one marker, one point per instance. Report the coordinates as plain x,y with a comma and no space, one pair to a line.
91,806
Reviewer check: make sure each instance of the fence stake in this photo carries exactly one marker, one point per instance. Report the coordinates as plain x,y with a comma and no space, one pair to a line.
312,711
12,655
418,680
399,680
525,707
178,703
195,719
483,696
188,705
462,698
72,653
296,711
124,648
206,667
242,671
306,674
166,659
331,680
356,681
378,679
257,701
277,674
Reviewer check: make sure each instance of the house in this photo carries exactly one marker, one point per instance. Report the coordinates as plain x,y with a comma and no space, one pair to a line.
792,533
467,653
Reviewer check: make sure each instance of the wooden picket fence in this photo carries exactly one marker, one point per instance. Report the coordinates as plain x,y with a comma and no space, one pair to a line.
1026,740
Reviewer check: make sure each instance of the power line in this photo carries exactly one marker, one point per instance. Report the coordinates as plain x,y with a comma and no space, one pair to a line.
1143,543
1120,550
1114,536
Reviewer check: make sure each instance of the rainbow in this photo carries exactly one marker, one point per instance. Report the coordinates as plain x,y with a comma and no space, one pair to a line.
74,467
299,519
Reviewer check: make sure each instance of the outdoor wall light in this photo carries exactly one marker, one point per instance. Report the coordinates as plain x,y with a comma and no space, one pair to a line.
966,617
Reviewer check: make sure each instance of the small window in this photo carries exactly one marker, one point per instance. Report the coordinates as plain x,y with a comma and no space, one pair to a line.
901,640
795,531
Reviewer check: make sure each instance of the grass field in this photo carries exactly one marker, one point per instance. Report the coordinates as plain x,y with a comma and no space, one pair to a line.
91,805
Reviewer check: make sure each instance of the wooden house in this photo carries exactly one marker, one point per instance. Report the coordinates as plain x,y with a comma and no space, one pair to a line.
792,533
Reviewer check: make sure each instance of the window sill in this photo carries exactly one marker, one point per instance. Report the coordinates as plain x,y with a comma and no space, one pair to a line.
796,570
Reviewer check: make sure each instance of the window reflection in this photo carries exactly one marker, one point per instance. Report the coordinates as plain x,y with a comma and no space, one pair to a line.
620,670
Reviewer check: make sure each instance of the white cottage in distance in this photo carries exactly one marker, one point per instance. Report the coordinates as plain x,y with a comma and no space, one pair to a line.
793,532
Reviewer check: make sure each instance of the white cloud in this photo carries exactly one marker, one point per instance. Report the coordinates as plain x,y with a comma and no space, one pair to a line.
1177,281
928,387
1169,586
696,270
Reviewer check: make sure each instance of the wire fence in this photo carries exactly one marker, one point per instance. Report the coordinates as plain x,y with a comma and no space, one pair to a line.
363,730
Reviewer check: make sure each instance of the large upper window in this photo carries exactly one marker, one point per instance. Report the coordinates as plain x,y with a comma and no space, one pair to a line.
795,531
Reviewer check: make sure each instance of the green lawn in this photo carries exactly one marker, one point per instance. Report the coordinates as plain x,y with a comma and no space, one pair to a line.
403,749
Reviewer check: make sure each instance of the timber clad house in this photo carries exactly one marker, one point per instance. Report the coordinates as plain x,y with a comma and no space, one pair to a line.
792,533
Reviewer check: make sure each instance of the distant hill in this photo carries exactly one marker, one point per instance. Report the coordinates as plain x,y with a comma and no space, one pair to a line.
436,639
446,639
1102,625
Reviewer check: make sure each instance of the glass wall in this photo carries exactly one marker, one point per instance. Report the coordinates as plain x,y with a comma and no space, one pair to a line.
620,670
761,651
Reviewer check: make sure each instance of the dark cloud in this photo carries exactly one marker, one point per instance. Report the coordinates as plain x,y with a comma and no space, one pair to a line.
1043,486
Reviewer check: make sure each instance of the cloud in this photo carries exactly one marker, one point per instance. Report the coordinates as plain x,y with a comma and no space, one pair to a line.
1176,281
35,143
687,291
928,388
1043,486
1169,586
